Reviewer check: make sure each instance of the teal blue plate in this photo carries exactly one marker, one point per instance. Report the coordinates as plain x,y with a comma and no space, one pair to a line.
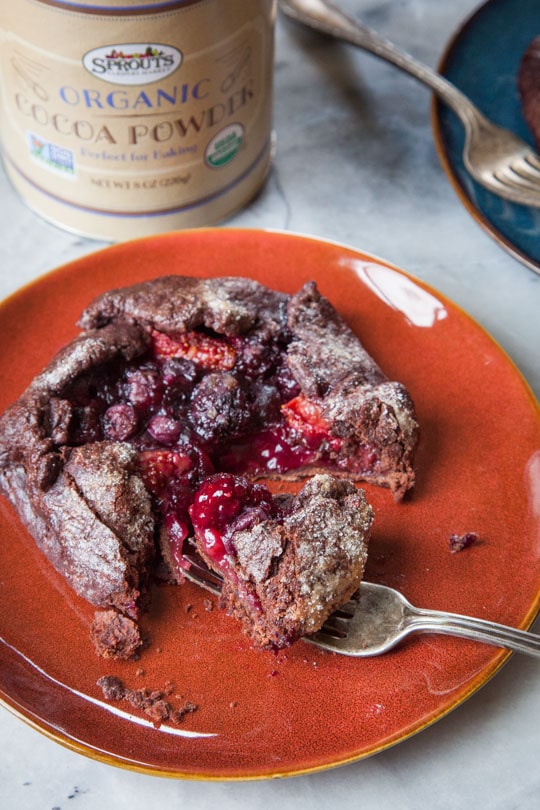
482,59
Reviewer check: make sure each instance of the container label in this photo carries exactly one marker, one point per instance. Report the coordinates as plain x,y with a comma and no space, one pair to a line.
152,119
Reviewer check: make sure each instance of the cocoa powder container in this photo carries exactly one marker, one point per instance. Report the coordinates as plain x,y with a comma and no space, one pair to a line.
123,118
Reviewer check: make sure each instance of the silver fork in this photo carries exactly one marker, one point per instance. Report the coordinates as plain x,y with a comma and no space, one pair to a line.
380,618
495,157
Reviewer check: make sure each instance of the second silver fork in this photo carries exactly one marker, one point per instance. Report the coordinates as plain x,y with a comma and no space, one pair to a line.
495,157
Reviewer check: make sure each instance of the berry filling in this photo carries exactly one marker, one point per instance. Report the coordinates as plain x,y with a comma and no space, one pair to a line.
223,505
198,405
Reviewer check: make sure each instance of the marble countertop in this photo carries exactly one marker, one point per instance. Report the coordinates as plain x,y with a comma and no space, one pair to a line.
356,164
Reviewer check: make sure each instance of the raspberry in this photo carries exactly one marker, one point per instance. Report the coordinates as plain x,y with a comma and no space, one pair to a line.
219,503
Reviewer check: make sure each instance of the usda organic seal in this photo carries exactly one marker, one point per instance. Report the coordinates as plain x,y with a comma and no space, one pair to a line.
224,146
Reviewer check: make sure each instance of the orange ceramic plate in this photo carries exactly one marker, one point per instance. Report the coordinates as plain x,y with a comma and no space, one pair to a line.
263,714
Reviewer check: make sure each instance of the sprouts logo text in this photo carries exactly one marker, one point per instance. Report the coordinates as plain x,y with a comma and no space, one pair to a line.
131,64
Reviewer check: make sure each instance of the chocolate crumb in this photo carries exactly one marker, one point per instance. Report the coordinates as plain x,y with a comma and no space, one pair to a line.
151,701
179,714
208,605
115,635
458,542
113,688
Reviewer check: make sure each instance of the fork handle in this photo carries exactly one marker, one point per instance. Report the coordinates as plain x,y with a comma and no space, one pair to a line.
433,621
329,19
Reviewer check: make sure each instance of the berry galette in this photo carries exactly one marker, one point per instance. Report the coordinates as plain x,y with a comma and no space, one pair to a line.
150,430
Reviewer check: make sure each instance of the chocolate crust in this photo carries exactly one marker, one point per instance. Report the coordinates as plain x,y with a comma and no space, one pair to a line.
75,501
94,523
228,305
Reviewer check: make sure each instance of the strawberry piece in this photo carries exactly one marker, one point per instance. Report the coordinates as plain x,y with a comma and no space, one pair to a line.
305,416
158,467
203,350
